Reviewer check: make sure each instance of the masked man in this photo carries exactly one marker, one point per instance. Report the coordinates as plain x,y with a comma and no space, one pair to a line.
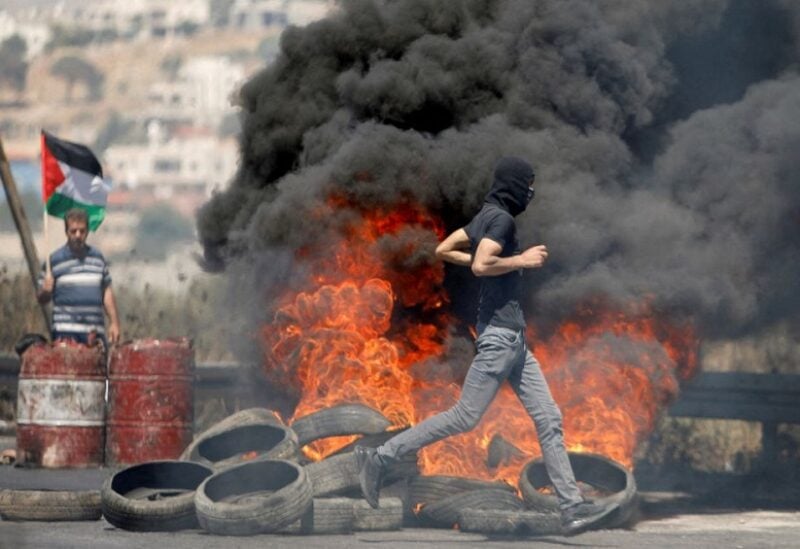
489,245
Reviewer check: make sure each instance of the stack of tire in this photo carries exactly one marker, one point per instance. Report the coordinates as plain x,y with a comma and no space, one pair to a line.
609,481
245,475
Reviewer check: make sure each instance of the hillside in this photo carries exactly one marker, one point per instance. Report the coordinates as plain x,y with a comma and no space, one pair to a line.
129,69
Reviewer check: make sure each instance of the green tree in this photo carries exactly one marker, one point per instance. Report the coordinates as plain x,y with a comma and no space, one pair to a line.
13,66
73,69
160,228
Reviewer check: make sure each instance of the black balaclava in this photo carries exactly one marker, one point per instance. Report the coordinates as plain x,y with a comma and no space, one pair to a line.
510,189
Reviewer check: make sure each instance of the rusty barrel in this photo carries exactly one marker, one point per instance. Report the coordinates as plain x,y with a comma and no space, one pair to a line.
61,406
150,400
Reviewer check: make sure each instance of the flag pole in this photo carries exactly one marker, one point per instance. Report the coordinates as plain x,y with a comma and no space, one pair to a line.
21,222
46,242
44,211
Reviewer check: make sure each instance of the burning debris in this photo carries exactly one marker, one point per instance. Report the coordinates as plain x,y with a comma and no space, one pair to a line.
373,135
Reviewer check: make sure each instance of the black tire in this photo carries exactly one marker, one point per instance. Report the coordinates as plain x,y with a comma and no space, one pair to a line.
388,516
509,523
257,497
50,505
338,474
425,490
154,496
603,474
443,513
231,446
250,416
344,419
325,516
334,475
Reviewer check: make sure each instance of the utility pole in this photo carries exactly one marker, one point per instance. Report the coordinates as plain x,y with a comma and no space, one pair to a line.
21,222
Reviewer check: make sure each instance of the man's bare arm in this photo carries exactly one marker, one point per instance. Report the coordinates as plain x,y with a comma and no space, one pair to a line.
111,309
489,263
452,249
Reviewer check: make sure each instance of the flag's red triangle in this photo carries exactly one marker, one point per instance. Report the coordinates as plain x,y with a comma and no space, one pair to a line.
52,176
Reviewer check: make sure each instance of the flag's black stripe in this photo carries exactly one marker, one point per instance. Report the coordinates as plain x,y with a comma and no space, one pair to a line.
76,155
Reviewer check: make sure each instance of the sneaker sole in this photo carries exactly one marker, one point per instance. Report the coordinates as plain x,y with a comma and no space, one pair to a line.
581,527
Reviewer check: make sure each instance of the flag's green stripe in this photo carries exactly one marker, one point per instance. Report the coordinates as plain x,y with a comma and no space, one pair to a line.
58,205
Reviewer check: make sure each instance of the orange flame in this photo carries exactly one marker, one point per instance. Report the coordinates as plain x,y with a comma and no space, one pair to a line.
372,310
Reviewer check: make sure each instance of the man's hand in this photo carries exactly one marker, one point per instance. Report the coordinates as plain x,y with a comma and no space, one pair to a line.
46,291
534,257
113,333
48,284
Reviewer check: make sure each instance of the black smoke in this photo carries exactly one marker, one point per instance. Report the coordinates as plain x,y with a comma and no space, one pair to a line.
664,136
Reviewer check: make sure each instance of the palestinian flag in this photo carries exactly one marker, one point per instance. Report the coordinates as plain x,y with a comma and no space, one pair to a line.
72,178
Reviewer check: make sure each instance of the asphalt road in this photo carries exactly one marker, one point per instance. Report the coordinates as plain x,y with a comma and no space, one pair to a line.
731,529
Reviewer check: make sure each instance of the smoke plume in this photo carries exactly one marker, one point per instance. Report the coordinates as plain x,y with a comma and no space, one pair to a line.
650,185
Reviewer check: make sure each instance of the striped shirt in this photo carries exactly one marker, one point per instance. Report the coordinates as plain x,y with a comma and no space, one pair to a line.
78,290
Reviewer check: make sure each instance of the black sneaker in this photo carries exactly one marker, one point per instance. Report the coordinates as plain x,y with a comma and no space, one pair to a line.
584,516
370,474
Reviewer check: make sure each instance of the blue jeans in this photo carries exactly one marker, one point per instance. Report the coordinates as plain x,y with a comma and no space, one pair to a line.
502,355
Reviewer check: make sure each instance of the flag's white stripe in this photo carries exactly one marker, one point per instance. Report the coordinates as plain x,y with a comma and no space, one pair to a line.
84,187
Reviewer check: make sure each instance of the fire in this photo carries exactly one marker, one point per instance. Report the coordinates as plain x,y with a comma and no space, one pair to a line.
372,310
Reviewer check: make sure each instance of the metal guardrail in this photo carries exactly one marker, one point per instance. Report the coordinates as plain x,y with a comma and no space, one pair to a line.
734,395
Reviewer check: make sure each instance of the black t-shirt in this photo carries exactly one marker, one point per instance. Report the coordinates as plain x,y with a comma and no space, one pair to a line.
499,295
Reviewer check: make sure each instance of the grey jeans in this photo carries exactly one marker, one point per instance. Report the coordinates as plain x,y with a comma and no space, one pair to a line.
502,354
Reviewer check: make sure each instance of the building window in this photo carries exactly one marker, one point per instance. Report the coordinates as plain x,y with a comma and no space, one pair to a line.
167,165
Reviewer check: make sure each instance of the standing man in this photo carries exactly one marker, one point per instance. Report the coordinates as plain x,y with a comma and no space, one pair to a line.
489,245
80,286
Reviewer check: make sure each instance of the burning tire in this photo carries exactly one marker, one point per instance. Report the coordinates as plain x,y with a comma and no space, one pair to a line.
257,497
389,516
325,516
49,505
613,481
232,446
444,512
251,416
344,419
509,523
153,496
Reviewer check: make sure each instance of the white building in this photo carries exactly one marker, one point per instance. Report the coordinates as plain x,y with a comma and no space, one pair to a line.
259,14
201,94
133,17
191,163
303,12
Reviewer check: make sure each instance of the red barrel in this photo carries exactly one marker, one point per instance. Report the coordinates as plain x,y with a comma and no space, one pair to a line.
61,406
150,400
